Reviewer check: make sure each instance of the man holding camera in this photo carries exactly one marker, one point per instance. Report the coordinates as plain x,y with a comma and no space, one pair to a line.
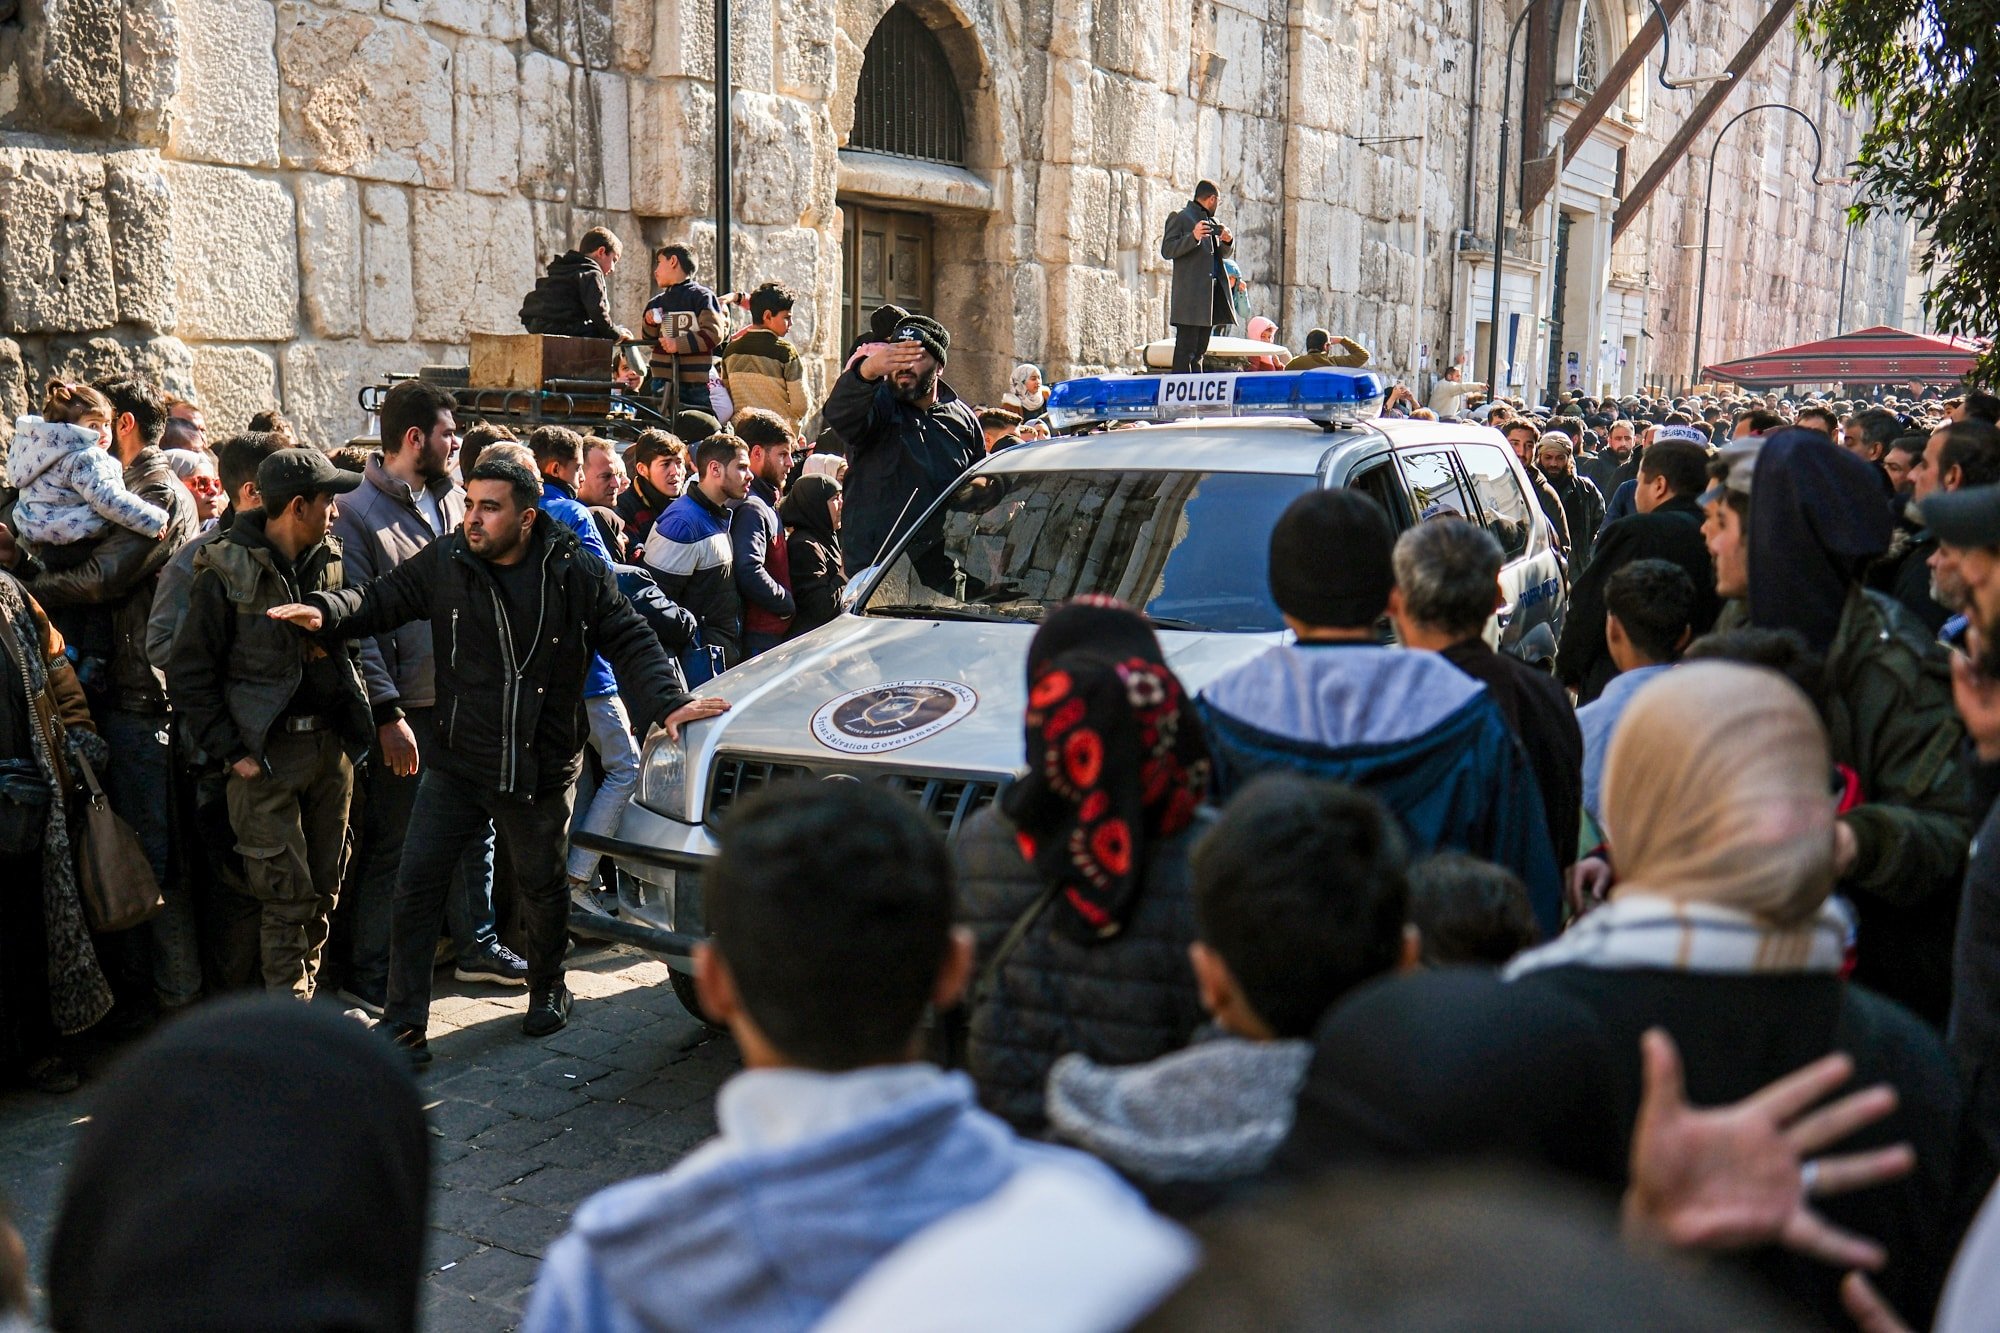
1197,244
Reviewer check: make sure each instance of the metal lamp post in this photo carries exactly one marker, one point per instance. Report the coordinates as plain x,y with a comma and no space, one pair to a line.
723,208
1708,198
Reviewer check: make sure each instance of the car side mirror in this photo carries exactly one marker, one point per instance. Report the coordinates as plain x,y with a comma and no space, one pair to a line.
851,594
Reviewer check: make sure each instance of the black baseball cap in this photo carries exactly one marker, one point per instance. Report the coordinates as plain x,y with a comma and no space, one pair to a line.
290,473
1969,516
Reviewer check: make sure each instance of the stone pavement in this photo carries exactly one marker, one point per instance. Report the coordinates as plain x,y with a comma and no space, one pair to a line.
522,1131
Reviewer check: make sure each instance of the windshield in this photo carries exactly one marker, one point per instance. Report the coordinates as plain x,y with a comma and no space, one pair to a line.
1189,549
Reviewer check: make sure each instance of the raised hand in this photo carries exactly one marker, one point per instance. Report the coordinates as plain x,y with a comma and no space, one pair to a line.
1733,1177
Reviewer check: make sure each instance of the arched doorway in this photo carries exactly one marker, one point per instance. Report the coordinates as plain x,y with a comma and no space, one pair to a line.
916,167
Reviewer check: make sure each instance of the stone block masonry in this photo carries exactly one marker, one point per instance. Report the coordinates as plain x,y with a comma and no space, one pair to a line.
282,200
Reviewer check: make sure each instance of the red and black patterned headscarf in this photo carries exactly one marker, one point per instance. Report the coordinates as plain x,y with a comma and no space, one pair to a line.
1116,759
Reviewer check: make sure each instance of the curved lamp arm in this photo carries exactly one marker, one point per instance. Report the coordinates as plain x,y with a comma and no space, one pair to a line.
1666,57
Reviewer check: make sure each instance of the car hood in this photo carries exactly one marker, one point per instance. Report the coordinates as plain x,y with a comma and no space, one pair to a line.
978,672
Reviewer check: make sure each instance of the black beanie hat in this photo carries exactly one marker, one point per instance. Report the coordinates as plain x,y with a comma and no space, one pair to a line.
1330,559
923,329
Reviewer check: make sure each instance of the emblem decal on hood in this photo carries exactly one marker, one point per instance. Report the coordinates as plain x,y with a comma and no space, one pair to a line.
888,717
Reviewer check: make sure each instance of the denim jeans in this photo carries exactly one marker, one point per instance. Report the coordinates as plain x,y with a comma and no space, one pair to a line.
453,814
385,823
139,783
611,737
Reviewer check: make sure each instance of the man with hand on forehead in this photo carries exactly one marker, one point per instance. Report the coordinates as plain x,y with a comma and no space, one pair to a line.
907,435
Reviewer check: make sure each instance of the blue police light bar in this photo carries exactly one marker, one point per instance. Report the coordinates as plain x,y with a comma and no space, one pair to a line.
1317,395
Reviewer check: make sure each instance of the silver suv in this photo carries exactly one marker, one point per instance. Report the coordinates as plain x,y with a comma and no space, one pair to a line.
920,684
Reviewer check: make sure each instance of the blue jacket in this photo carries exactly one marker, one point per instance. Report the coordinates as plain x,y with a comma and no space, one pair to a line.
1409,728
767,1239
690,555
559,502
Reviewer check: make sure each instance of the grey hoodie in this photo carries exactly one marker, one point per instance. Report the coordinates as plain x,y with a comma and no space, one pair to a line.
1214,1112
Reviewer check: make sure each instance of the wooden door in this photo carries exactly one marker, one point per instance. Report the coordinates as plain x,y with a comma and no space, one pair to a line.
885,260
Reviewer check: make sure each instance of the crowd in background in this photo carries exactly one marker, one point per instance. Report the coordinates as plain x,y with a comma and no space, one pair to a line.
1240,981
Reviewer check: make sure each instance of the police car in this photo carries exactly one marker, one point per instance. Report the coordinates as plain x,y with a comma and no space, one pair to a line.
1162,492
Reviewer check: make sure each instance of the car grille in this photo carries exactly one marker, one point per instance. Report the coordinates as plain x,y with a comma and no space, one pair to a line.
948,801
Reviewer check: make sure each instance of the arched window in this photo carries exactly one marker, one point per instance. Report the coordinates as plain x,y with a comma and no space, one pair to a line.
908,103
1589,50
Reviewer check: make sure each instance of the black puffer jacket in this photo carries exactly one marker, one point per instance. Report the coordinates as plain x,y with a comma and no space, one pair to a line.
570,299
1126,1001
517,726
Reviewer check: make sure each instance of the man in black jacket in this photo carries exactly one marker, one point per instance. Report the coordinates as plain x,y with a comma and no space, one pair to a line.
1667,527
518,609
907,436
1525,436
572,298
1582,502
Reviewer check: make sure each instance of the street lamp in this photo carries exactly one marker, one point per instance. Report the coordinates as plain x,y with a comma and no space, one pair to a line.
1666,55
1506,130
1708,197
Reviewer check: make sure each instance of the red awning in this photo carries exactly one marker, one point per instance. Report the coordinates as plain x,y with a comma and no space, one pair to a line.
1879,355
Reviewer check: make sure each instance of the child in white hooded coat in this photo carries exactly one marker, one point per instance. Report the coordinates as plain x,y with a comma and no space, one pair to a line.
71,488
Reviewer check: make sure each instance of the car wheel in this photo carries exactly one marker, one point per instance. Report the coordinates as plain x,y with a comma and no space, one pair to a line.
685,993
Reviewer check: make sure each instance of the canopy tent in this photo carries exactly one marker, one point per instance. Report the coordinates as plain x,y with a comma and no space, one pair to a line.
1880,355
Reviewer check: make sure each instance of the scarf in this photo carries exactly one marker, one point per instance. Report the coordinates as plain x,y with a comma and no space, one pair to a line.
1715,792
805,507
1116,761
1641,931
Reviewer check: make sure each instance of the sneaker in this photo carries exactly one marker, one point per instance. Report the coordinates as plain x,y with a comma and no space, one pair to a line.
366,1001
411,1041
583,897
495,963
548,1010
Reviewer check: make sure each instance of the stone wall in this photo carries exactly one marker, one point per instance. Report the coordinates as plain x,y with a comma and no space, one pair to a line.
278,202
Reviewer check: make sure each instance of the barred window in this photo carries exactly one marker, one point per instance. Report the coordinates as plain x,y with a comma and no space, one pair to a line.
1589,54
908,103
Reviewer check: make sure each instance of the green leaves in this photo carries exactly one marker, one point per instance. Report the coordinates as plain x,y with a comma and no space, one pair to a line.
1922,72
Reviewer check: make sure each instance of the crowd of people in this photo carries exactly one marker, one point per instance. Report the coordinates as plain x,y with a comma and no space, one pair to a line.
1241,981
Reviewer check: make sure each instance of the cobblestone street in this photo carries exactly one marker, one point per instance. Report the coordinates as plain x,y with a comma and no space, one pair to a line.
523,1131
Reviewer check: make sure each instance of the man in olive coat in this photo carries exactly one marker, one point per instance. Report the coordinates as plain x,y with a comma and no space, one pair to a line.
1197,244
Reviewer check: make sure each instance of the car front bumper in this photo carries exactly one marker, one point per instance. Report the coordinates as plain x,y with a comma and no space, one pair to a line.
659,896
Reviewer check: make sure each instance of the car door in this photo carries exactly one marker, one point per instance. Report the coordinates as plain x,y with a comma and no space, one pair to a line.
1531,581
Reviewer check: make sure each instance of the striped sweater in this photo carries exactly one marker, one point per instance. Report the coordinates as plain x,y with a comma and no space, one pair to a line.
760,369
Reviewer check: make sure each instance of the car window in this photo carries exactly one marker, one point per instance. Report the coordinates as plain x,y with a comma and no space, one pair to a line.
1434,482
1509,515
1189,549
1378,481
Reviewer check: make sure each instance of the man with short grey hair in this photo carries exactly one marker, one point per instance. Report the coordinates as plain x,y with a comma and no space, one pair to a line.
1447,587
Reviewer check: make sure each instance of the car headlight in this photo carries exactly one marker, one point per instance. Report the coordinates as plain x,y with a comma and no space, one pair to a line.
663,778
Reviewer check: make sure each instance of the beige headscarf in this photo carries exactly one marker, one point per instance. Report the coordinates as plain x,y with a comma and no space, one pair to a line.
1717,790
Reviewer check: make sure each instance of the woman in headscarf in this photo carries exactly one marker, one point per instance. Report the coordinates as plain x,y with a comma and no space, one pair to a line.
50,983
810,512
1719,806
1028,395
1076,884
254,1166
